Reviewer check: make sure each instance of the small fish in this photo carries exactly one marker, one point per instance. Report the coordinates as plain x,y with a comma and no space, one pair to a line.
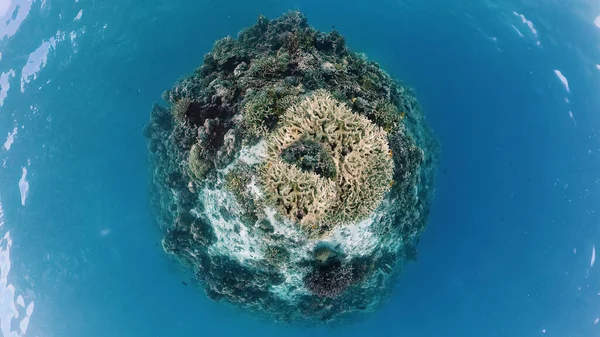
391,183
353,99
402,114
185,284
391,153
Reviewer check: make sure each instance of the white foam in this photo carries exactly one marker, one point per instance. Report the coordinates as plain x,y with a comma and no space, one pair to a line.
563,79
29,310
232,235
529,25
10,139
293,286
5,84
248,245
255,154
24,186
248,155
593,259
527,22
21,301
36,61
572,117
4,6
597,21
8,304
39,57
9,25
517,30
254,189
356,239
78,16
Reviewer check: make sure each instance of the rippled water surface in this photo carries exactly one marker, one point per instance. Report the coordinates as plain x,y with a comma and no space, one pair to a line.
509,87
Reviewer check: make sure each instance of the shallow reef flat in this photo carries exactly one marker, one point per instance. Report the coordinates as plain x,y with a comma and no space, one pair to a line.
291,175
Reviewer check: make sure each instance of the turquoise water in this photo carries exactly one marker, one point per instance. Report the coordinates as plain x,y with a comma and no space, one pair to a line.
510,89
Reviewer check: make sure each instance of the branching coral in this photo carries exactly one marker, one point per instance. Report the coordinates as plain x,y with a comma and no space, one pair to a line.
362,164
259,114
386,115
263,109
269,66
302,196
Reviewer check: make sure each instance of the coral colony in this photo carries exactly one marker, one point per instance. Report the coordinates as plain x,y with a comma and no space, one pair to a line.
291,175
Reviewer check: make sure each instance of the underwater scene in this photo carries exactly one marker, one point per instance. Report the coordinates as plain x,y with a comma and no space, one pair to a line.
311,168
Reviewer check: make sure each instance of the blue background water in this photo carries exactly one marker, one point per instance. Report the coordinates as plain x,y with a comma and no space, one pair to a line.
508,251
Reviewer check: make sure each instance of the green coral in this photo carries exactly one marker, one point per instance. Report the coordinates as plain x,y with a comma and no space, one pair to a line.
270,66
224,50
361,158
263,109
289,99
198,167
386,115
260,114
301,40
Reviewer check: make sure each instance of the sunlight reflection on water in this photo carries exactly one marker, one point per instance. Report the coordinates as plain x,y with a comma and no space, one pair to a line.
12,306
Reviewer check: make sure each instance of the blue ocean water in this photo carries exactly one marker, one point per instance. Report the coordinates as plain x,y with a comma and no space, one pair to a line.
510,89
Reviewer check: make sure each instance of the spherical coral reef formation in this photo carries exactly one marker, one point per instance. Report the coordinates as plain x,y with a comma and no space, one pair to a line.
290,175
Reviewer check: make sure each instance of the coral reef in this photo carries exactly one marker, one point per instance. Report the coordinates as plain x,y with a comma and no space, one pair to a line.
360,165
291,175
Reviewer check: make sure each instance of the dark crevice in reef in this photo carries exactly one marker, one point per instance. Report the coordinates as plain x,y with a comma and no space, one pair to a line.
240,95
310,156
